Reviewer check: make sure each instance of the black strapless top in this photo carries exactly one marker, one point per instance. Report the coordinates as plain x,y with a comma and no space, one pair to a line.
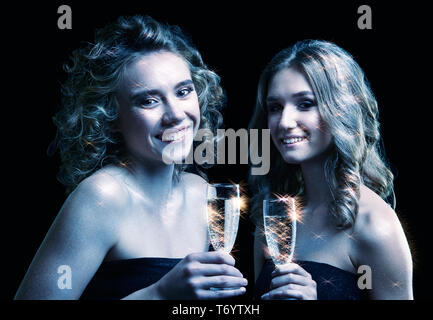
332,283
117,279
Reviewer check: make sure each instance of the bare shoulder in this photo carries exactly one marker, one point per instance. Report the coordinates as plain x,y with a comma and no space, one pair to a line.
376,221
102,190
379,234
83,231
380,243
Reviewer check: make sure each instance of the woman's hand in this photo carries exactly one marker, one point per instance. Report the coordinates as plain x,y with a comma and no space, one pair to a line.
193,277
291,281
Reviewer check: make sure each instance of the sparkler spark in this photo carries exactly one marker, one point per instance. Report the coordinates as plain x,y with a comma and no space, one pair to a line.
279,237
243,199
328,281
317,236
396,284
243,205
294,206
351,236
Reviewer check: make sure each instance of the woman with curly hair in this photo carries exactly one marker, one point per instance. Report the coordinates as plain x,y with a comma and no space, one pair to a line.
326,151
133,225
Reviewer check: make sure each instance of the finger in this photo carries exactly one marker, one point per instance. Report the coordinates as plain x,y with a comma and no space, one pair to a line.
221,294
289,278
222,282
290,268
197,269
285,292
219,269
214,257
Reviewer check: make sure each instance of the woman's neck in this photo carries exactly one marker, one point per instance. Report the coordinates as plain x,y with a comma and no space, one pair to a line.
316,187
152,179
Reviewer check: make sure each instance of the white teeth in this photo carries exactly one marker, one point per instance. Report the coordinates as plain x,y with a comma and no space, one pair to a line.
293,140
174,136
171,135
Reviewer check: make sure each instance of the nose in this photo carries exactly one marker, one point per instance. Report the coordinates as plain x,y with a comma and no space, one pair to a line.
173,113
288,118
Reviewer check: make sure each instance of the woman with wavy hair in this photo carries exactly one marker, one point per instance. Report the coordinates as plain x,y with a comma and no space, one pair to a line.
133,225
327,152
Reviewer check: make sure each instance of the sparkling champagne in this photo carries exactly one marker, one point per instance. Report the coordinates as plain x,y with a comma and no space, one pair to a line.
223,216
279,231
279,218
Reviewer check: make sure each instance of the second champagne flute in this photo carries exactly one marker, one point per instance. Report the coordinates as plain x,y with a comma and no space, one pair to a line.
223,210
279,215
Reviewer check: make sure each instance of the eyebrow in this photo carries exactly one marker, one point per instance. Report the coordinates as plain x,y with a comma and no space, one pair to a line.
295,95
153,92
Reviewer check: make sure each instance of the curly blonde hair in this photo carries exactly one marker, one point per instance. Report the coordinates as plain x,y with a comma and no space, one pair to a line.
86,122
349,111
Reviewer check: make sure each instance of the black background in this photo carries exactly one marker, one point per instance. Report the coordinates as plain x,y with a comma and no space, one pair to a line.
236,40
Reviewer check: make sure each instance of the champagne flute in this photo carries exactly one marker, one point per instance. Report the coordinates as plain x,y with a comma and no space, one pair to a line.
223,210
279,216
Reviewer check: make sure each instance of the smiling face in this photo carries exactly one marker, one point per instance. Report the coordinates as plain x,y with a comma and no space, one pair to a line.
159,111
293,118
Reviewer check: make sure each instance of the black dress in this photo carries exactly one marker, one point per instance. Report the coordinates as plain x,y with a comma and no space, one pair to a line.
332,283
117,279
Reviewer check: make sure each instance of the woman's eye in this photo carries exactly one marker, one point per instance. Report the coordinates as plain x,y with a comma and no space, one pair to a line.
274,107
147,102
185,91
306,104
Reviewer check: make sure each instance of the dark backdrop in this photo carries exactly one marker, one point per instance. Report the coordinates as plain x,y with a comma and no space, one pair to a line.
236,41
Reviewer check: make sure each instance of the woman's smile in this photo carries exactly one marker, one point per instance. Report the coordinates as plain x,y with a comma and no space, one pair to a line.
176,135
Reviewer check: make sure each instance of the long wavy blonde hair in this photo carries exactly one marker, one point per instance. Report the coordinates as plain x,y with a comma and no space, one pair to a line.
87,137
349,111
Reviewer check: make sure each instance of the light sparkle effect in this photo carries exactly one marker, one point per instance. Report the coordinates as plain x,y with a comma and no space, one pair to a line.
351,236
396,284
318,236
328,281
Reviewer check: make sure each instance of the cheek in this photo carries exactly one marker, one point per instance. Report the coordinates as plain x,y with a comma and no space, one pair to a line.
138,122
323,136
273,128
314,123
194,111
